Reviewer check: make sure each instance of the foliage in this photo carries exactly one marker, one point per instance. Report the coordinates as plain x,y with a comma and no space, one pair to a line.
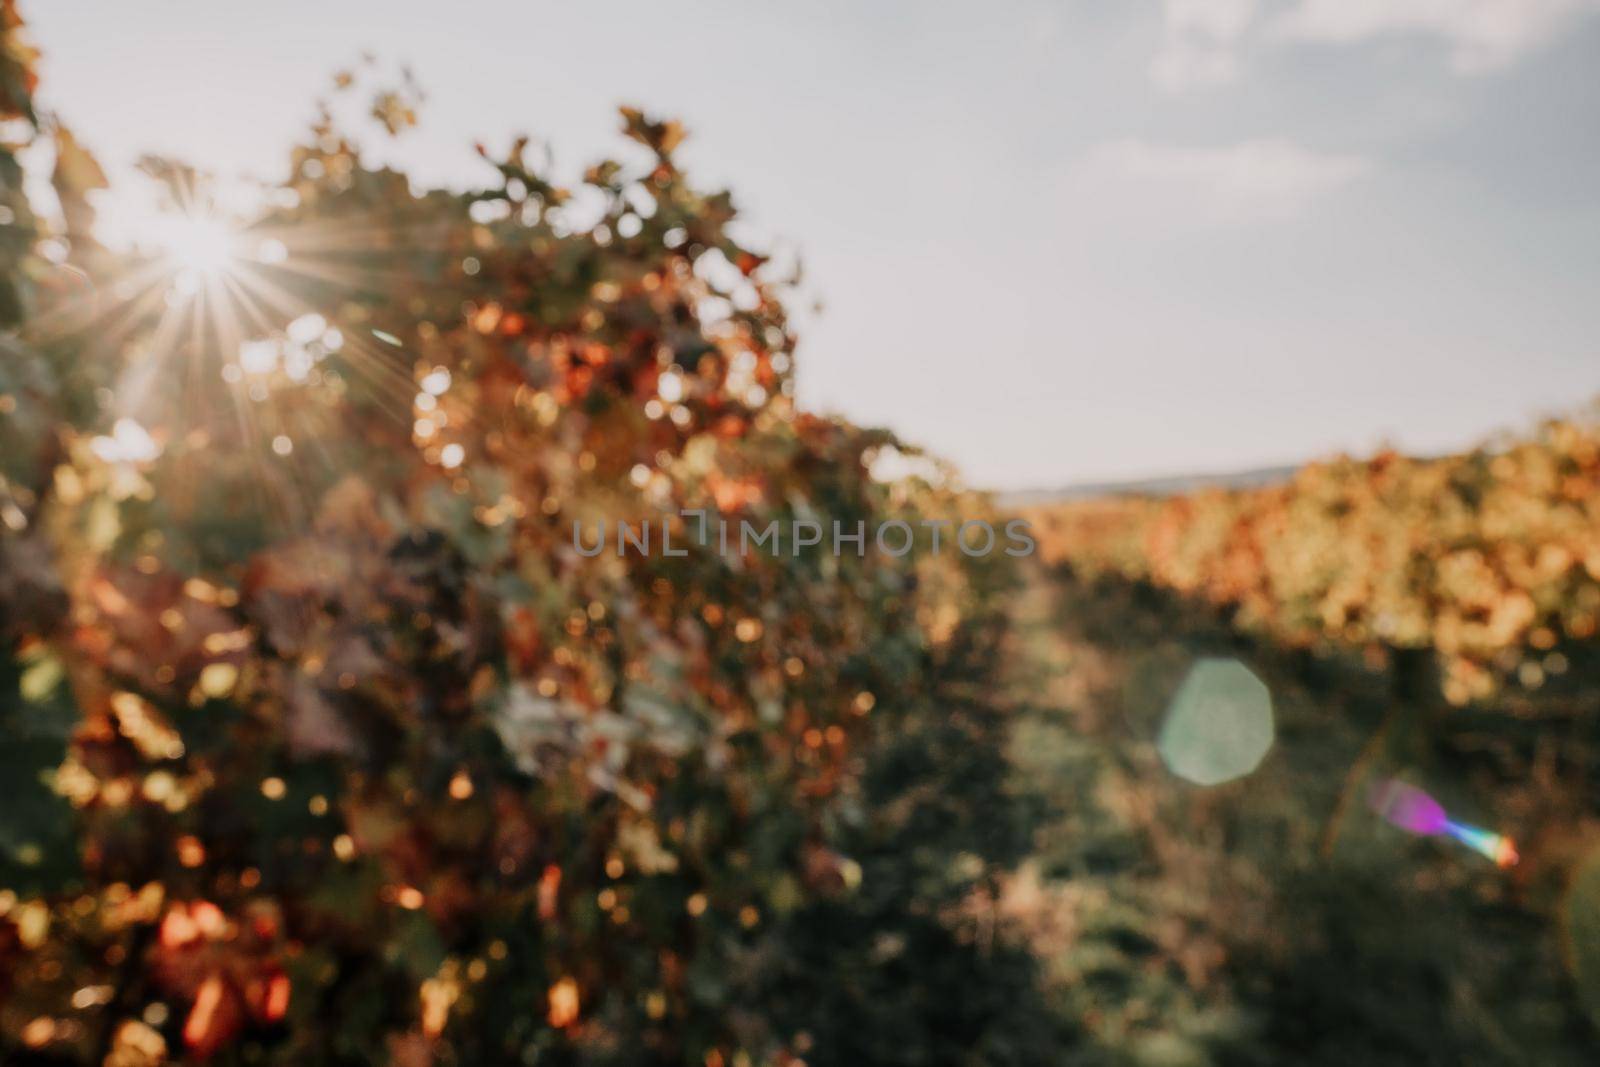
1489,559
1276,919
1428,619
364,762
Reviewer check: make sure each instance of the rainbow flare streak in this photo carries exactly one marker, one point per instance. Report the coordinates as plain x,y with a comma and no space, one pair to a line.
1415,811
1497,847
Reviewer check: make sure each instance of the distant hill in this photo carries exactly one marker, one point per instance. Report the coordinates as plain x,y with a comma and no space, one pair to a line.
1172,485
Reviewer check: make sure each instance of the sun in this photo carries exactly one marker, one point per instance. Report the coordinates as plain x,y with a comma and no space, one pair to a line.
200,244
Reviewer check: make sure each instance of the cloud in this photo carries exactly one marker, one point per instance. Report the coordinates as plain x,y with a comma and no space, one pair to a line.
1204,41
1249,180
1199,42
1482,34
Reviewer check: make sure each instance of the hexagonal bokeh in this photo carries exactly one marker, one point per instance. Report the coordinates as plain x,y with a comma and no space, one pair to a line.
1219,724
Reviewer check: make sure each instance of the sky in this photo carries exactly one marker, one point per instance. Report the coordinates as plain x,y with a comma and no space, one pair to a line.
1055,242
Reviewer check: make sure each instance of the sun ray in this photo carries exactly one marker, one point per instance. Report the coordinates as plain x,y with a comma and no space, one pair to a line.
204,305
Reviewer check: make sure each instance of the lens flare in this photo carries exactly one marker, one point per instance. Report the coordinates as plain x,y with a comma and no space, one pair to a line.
1414,811
1219,725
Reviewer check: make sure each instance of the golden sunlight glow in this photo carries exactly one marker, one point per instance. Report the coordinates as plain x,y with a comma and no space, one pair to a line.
197,243
208,282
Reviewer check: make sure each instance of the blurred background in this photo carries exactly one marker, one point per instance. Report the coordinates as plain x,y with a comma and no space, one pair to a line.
1275,318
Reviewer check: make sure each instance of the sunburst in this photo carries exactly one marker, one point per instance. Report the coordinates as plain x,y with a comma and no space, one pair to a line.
193,287
198,246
